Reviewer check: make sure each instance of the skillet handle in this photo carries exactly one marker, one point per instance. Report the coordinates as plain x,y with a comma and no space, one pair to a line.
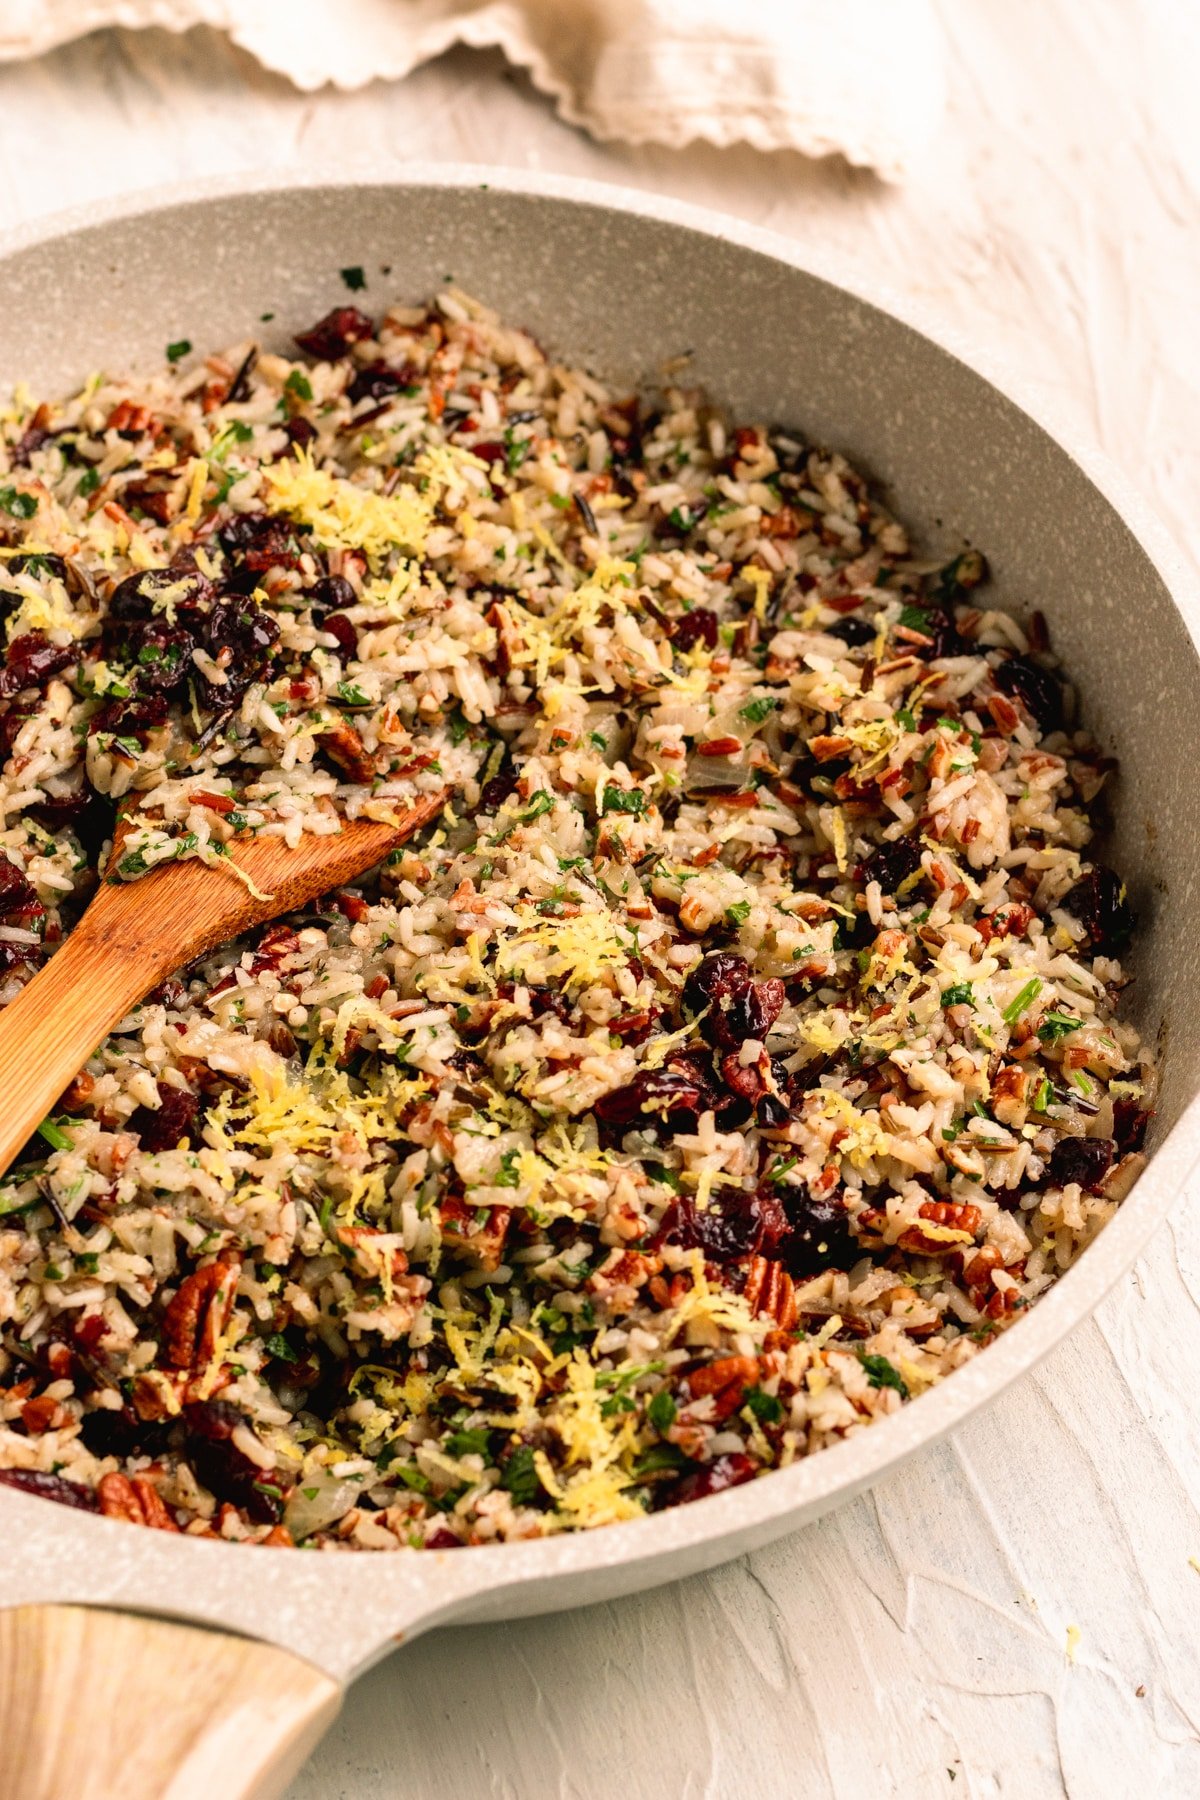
95,1704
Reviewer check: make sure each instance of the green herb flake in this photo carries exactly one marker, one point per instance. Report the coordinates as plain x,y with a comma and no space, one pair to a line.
661,1411
1023,1001
298,383
755,711
278,1346
541,802
1056,1025
469,1443
179,349
354,278
520,1476
738,913
624,800
17,504
883,1374
57,1140
766,1408
961,994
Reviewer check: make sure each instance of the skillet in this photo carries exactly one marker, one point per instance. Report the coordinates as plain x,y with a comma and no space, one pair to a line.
109,1681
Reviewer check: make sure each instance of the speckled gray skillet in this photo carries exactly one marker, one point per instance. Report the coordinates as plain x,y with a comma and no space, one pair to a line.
620,281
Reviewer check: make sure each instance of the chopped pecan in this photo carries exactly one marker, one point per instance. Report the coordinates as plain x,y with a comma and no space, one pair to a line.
198,1314
137,1501
770,1292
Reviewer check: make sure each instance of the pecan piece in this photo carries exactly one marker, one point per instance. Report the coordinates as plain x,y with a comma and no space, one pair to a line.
137,1501
198,1314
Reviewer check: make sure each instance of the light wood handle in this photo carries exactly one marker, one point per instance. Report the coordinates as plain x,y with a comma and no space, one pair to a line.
98,1705
48,1032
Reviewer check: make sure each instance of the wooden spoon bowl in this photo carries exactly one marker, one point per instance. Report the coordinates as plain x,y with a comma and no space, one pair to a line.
136,933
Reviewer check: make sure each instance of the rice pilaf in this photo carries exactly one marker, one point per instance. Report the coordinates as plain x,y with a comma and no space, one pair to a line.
736,1056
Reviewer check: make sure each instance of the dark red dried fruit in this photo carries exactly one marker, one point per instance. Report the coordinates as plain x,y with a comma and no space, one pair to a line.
731,1227
241,636
51,1487
892,864
119,1432
331,337
299,433
376,382
658,1099
441,1539
151,592
161,1128
224,1470
1085,1160
1037,690
713,1478
496,791
696,627
1129,1125
720,974
159,655
819,1235
852,630
332,593
346,633
255,543
18,897
129,718
1097,901
31,660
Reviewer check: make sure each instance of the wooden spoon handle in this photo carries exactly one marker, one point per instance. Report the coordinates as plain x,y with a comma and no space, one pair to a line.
95,1704
48,1032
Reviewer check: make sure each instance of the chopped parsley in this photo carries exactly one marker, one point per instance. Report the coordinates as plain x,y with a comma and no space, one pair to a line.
738,913
624,800
298,383
179,349
18,505
540,803
354,278
755,711
278,1346
661,1411
765,1407
519,1475
883,1374
1056,1025
961,994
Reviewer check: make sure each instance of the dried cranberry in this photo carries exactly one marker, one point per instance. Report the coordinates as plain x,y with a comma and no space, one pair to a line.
661,1099
299,433
720,974
39,562
160,1128
1085,1160
696,627
32,659
331,337
1097,901
1036,689
748,1012
1129,1125
160,655
852,630
178,591
772,1112
128,718
340,627
819,1235
18,897
892,864
376,382
333,593
51,1487
712,1478
442,1539
224,1469
118,1431
241,636
496,791
731,1227
256,543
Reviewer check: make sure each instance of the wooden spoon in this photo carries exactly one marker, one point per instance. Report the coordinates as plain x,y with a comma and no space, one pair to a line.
136,933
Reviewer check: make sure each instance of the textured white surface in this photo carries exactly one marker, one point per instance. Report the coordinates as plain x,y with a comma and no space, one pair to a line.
923,1629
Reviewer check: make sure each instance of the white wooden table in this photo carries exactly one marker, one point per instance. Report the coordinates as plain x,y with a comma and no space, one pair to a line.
914,1643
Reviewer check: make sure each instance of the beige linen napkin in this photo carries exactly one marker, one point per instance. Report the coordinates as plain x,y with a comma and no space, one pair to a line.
863,77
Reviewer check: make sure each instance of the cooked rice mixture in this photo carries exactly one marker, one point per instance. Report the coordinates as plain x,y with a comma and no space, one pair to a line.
732,1061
